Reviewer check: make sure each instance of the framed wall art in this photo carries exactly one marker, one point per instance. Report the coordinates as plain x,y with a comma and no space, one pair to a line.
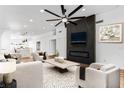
110,33
38,45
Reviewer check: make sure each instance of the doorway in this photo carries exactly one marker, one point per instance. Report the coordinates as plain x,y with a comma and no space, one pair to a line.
53,46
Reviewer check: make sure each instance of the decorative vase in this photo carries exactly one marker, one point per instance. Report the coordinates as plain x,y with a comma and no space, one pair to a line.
44,56
57,53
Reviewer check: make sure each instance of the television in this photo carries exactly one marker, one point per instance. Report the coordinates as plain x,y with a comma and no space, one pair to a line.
79,38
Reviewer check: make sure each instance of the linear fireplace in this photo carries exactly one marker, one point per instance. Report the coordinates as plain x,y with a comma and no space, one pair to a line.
84,54
81,41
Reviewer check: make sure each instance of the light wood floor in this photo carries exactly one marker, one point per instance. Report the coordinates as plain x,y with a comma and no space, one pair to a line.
122,78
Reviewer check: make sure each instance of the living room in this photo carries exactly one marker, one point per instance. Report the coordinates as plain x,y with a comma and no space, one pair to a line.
33,33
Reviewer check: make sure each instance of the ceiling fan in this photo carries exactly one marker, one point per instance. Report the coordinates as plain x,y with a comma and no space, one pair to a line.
65,18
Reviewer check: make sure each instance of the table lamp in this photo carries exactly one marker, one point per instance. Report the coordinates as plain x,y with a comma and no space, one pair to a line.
6,68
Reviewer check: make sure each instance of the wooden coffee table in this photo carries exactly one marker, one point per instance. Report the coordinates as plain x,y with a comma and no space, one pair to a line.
61,67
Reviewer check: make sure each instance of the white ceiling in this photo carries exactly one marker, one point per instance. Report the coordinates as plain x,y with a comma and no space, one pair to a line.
14,17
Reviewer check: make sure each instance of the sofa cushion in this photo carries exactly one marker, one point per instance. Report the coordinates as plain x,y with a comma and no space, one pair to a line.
107,67
96,66
36,57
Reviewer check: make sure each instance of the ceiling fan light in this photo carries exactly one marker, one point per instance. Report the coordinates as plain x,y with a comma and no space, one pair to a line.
42,10
64,20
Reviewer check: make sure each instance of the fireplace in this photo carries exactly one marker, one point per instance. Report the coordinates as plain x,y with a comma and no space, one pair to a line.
84,54
81,42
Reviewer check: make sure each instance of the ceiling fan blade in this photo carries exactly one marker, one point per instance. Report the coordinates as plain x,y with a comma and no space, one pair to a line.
58,23
77,17
53,19
72,23
63,9
51,13
74,11
65,25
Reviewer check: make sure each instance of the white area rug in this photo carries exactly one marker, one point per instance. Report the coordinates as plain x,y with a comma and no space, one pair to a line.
55,79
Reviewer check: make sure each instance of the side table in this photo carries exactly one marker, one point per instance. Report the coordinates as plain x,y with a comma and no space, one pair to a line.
82,70
11,85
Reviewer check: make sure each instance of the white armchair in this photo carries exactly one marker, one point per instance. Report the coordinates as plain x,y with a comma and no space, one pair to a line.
102,76
29,75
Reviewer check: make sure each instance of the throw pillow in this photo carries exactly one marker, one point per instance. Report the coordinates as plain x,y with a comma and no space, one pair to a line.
2,56
40,53
7,56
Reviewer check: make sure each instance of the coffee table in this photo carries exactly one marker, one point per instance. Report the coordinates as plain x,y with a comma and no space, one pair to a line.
61,67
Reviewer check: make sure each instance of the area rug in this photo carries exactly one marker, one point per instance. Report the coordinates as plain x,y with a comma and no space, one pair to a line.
54,79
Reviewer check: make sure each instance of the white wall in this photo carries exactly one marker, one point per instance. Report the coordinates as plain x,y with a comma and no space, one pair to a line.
110,52
60,37
7,37
53,46
5,40
105,52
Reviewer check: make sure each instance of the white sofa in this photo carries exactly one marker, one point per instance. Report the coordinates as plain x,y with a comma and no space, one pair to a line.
102,76
28,75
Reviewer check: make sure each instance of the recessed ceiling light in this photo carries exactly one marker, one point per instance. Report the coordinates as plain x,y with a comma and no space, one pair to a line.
51,24
44,28
31,20
83,9
25,26
42,10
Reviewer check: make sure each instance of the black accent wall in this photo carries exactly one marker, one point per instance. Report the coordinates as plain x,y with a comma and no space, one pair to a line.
82,53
